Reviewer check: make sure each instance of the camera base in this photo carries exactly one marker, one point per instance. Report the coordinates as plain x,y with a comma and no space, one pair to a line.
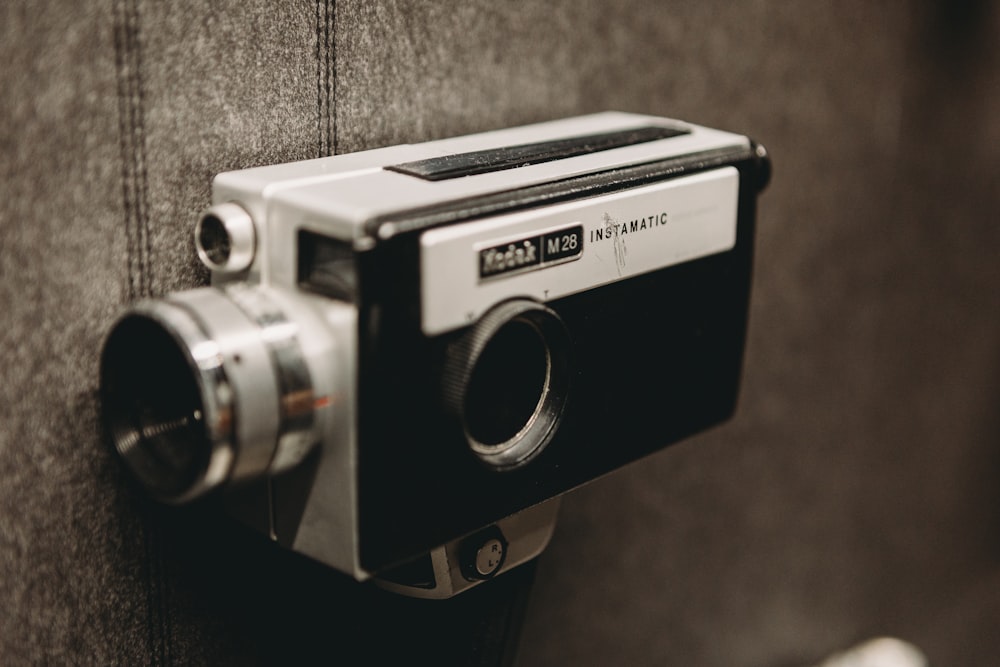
467,562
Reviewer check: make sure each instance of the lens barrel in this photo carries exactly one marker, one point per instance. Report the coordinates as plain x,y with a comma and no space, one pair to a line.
205,387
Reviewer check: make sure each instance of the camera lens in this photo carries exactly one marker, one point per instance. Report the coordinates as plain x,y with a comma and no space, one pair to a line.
210,386
507,384
154,410
507,380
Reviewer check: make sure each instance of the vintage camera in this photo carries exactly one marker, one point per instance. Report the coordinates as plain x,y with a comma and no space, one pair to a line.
407,354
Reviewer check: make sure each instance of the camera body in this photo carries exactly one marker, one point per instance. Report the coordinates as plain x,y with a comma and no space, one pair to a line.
407,354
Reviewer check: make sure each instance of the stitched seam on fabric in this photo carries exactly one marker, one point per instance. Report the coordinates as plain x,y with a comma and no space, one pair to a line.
125,143
333,66
319,83
135,200
132,145
330,8
143,174
325,82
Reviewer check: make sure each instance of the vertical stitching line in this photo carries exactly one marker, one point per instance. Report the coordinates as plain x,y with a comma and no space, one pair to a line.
319,84
124,142
135,198
329,59
332,100
133,184
135,215
139,147
158,610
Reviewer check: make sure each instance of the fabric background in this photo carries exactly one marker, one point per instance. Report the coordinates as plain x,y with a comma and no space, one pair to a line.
857,490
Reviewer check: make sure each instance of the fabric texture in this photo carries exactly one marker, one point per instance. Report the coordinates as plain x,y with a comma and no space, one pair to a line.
855,493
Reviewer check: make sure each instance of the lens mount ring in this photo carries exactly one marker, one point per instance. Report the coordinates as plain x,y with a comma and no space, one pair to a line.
201,408
296,396
507,380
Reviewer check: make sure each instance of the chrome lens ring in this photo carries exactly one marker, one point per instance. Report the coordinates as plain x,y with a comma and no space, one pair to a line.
296,396
507,381
251,377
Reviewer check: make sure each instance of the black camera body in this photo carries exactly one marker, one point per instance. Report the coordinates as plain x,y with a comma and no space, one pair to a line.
452,335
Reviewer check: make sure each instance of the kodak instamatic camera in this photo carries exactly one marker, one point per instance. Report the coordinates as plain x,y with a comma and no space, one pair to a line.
407,354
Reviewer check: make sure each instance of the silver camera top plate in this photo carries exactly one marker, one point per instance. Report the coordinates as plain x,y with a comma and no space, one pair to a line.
341,196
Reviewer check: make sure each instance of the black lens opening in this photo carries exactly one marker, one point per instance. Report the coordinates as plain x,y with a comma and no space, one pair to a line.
153,408
507,384
214,239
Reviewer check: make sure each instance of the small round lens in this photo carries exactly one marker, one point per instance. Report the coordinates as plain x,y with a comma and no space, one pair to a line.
226,238
214,240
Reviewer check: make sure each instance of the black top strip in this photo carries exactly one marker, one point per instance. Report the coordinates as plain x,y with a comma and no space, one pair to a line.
510,157
542,194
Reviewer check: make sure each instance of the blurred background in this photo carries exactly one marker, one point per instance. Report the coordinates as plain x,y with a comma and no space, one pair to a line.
856,492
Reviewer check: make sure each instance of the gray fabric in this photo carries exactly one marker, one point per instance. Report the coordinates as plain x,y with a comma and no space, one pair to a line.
856,492
72,557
